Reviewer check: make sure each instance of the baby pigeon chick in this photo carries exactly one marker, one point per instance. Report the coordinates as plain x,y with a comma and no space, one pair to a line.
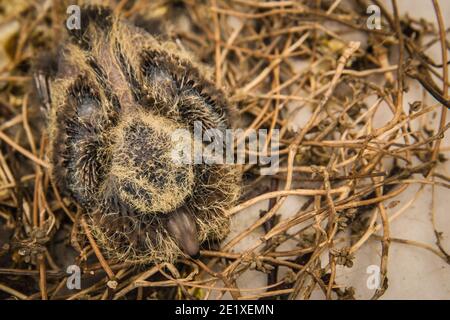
115,96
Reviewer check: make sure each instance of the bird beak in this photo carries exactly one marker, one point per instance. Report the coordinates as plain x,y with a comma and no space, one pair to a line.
181,226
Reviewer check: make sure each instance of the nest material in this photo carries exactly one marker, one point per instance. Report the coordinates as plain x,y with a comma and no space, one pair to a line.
334,147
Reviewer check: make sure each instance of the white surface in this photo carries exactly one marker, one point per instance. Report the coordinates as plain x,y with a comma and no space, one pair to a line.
413,273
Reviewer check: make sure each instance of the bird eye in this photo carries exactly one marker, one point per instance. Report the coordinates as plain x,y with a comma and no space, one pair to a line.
84,100
160,76
87,108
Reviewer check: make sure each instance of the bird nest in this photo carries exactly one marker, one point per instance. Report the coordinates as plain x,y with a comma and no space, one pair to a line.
350,142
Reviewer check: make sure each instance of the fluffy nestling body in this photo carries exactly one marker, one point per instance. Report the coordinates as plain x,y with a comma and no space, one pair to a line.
116,96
